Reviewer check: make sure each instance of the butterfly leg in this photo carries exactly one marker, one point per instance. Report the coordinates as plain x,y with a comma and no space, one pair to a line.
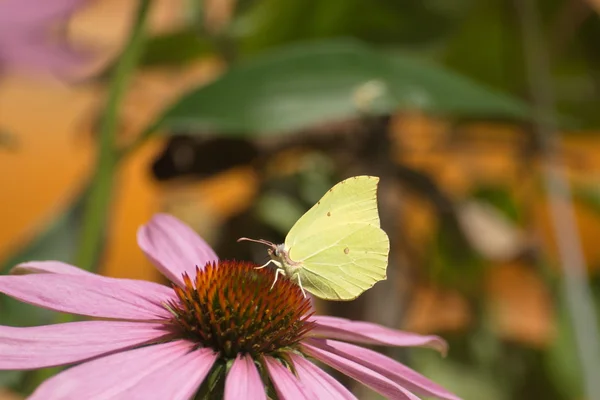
277,272
264,265
300,284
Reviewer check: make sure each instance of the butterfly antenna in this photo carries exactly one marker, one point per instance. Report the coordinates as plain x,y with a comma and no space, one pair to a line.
262,241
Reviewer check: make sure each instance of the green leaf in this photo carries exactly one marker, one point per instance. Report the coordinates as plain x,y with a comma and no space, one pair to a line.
589,195
270,23
501,198
562,361
279,211
452,261
10,378
465,382
170,49
174,48
443,91
485,46
303,85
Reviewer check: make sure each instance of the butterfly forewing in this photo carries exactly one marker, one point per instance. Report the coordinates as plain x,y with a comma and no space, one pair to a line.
354,199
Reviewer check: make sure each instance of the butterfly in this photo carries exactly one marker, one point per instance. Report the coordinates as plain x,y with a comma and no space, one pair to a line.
336,250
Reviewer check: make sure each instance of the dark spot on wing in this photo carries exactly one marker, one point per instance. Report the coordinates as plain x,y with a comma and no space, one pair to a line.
346,250
328,214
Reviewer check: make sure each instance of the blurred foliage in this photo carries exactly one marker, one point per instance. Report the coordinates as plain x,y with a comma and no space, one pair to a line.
383,22
175,48
303,85
432,97
57,242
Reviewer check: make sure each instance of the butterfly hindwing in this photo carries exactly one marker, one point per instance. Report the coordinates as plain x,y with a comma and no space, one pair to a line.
348,268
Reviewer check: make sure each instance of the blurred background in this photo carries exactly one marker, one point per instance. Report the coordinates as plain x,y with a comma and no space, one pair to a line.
237,115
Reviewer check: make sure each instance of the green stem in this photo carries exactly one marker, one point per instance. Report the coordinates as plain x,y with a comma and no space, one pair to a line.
223,43
575,286
99,198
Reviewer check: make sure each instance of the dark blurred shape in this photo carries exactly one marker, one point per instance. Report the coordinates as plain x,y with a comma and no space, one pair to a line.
426,186
186,156
245,224
8,141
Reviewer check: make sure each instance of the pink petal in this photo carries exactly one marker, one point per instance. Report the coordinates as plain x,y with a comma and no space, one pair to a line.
91,295
50,345
369,333
171,371
41,54
48,267
174,247
391,369
30,14
243,381
323,385
58,267
320,350
287,386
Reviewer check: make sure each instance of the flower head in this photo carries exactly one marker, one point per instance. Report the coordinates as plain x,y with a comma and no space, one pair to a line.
220,329
25,40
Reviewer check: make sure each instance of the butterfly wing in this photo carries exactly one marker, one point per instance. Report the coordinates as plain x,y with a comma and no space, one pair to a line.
339,243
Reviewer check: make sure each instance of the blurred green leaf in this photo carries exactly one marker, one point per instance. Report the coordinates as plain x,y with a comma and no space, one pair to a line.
300,86
444,91
588,195
270,23
485,46
57,242
279,211
467,383
175,48
576,75
316,178
170,49
10,378
453,262
501,198
562,362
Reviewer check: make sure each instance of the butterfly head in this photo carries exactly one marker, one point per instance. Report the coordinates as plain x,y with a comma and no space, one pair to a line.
277,252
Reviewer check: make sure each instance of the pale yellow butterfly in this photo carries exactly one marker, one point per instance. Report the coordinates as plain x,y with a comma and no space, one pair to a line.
336,250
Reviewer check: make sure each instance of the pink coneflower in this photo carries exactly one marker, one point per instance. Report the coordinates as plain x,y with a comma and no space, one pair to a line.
220,332
25,40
